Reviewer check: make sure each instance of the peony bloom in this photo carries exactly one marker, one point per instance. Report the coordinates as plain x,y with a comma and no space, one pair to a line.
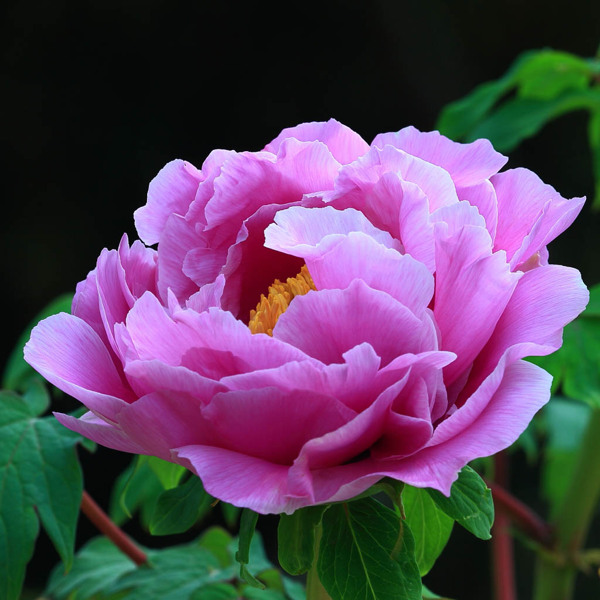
321,314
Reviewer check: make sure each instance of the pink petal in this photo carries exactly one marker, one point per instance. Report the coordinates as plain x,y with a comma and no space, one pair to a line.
483,197
359,256
328,323
544,301
343,143
71,356
466,312
100,432
251,180
232,477
256,422
170,192
528,206
308,232
467,164
177,239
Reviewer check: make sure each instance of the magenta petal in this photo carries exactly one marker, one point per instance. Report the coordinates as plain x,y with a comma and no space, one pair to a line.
468,164
328,323
177,239
254,422
100,432
170,192
71,356
544,301
466,312
530,213
359,256
344,144
483,197
233,477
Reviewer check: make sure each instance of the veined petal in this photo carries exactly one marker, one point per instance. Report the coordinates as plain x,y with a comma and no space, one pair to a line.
170,192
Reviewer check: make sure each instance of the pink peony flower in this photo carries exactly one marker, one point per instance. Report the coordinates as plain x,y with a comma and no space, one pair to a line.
320,315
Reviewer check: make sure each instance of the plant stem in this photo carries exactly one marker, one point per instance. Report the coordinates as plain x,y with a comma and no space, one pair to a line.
502,543
117,536
555,574
314,587
522,516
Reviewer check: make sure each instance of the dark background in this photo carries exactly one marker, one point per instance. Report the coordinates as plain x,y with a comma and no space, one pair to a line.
98,96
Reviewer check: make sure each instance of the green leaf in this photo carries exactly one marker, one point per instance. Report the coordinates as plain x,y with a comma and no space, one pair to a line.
576,366
193,571
594,142
17,371
429,595
548,73
367,553
96,567
40,477
169,474
231,514
430,526
521,118
296,538
179,508
174,573
136,489
470,503
247,527
218,542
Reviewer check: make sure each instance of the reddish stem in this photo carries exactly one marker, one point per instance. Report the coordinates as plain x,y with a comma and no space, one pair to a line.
522,516
502,543
116,535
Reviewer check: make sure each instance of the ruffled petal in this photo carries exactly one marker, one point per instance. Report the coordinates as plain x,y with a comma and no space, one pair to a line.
328,323
71,356
344,144
170,192
467,164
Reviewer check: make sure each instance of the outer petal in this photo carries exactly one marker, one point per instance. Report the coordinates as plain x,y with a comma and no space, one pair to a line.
544,301
465,310
344,144
232,477
170,192
99,431
530,214
71,356
467,164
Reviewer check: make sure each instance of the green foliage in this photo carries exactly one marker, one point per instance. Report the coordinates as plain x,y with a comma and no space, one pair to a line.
203,569
470,503
429,595
367,552
296,538
576,366
247,530
430,526
17,372
177,509
539,87
40,480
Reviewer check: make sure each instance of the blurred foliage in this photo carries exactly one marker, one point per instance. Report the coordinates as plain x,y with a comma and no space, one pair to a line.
539,87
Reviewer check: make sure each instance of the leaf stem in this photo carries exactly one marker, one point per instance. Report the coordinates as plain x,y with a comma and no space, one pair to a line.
555,575
314,587
105,525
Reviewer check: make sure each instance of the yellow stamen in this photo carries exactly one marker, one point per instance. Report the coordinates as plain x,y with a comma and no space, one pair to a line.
268,310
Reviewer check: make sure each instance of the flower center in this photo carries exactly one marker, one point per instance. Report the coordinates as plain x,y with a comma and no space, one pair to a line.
269,309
